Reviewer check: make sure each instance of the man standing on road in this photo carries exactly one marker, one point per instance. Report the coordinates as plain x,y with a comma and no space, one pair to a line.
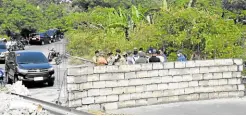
154,57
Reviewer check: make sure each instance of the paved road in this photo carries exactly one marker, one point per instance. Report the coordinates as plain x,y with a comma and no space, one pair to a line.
232,106
42,91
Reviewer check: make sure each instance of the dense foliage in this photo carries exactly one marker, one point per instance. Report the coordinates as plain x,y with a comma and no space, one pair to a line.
214,27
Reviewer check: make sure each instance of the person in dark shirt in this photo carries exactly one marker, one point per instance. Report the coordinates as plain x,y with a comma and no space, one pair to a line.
154,57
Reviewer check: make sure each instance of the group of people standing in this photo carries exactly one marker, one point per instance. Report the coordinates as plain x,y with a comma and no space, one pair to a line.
138,56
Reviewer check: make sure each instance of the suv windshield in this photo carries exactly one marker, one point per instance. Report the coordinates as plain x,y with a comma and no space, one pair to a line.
31,58
3,46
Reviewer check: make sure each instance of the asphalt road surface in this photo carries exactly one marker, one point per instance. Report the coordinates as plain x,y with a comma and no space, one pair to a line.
232,106
42,91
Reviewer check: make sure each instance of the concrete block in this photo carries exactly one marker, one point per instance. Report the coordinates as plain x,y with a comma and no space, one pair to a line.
166,79
85,86
111,83
157,66
236,94
202,63
189,90
152,87
173,72
74,71
113,68
153,73
213,82
157,94
105,91
227,74
236,74
203,96
213,95
230,88
123,83
223,94
130,75
238,61
93,77
135,96
234,81
156,80
88,100
125,68
179,64
135,82
142,74
100,99
83,108
76,79
152,101
177,79
100,69
71,96
204,89
124,97
93,92
146,81
131,89
110,106
119,90
118,76
173,99
208,76
184,71
183,84
187,77
241,87
112,98
136,67
94,107
204,70
168,65
223,82
147,94
141,102
240,68
79,95
162,100
196,77
217,75
148,66
189,97
72,87
162,86
75,103
223,69
233,68
220,62
163,73
214,69
99,84
141,88
195,70
178,91
190,64
106,76
193,83
127,104
173,85
203,83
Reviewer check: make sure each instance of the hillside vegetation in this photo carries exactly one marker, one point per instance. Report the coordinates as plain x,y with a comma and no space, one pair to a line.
214,27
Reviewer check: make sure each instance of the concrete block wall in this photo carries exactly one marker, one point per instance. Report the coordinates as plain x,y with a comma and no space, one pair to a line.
115,87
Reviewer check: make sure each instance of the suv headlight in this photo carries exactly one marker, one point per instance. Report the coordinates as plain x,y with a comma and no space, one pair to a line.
22,71
51,69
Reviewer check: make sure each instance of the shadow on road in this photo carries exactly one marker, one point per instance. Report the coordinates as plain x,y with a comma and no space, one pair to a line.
36,85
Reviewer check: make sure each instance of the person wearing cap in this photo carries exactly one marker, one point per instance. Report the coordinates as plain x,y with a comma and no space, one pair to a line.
180,56
154,57
142,59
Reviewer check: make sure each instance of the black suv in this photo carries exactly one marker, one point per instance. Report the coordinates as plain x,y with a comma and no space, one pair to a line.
28,66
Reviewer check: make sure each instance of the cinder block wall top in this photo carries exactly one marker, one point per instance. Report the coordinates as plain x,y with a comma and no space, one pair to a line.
114,87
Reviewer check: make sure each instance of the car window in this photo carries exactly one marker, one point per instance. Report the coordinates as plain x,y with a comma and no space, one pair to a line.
31,58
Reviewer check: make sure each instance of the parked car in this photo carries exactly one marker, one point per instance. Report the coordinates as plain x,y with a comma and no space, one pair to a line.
41,38
29,66
53,34
3,51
